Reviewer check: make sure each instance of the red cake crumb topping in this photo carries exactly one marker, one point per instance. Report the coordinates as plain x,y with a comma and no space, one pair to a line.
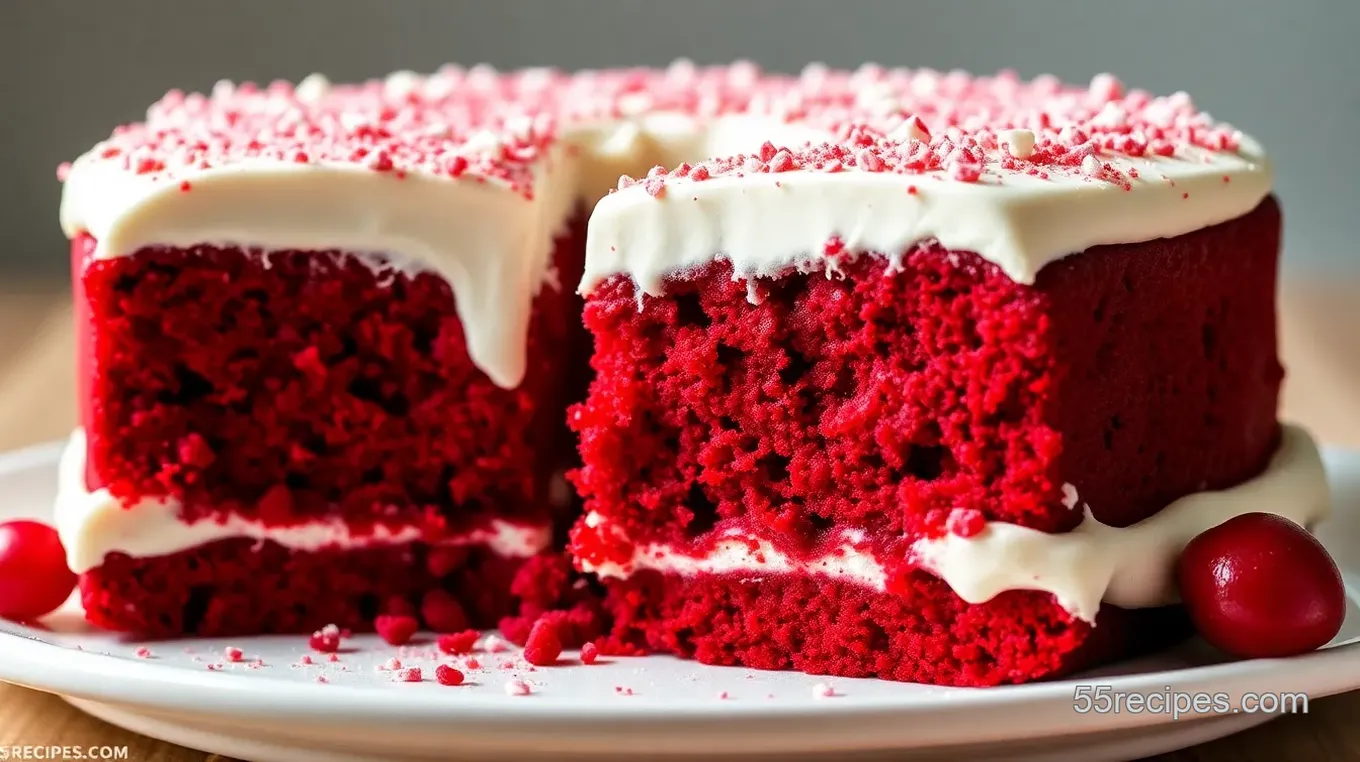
447,675
325,640
544,644
322,679
589,653
472,123
232,653
305,660
822,690
966,522
143,652
517,687
409,675
458,643
396,629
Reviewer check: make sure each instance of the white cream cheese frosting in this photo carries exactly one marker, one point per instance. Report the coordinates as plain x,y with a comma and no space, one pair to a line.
93,524
471,174
764,223
1130,567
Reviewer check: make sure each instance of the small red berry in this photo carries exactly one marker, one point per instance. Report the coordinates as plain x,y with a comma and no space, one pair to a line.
396,630
447,675
442,612
589,653
34,579
1259,586
458,643
544,644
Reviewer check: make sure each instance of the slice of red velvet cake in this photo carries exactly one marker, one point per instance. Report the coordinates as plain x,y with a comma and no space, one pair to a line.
327,337
894,373
911,404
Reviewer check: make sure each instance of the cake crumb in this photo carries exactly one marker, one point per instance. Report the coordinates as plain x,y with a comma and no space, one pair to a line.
446,675
589,653
823,690
517,687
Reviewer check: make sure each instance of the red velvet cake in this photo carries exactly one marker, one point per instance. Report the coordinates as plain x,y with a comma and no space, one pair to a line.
891,373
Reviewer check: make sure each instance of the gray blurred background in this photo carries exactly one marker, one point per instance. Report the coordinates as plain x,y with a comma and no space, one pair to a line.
1285,71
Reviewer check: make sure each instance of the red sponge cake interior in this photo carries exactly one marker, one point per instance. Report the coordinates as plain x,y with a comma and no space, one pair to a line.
285,388
889,403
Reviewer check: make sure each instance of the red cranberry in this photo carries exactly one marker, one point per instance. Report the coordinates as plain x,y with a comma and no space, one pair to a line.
1259,585
544,644
34,579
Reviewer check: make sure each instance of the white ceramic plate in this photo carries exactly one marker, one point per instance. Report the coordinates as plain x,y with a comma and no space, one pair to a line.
655,707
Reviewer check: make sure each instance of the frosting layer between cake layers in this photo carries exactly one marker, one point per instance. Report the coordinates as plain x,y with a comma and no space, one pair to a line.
1131,567
471,174
93,524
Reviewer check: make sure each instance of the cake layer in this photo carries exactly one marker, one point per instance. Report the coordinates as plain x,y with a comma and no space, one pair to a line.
1130,567
918,632
902,400
285,386
244,586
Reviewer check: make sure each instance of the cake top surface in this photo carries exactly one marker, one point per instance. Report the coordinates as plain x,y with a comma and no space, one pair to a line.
482,124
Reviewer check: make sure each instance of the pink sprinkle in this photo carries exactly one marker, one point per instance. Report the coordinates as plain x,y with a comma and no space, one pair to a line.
305,659
322,679
822,690
623,690
214,667
723,695
517,687
232,653
143,653
333,657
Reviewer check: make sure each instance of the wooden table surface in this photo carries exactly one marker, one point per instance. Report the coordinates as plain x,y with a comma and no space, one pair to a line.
1321,350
